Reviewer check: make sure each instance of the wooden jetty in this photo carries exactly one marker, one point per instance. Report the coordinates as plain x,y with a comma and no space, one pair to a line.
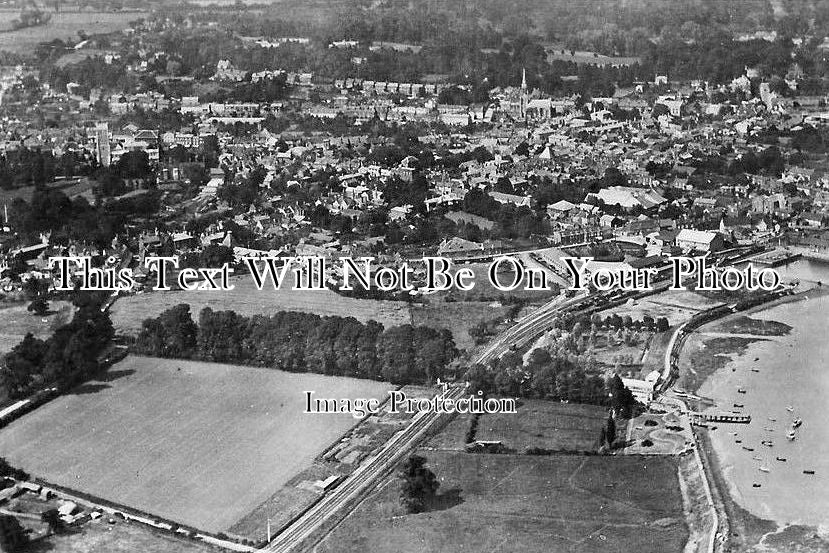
739,418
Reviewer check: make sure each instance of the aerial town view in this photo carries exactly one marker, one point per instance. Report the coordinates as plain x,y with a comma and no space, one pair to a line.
418,276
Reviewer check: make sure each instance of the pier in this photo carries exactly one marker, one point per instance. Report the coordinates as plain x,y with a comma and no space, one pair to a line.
738,418
776,257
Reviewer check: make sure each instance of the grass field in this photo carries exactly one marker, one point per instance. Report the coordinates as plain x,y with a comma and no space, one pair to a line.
63,25
459,317
16,322
546,424
128,312
510,503
199,443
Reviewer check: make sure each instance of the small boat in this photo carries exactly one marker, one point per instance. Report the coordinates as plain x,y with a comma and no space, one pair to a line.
755,485
739,405
738,441
772,419
790,409
767,443
756,359
781,459
768,429
791,435
755,370
748,448
741,391
763,469
796,423
808,472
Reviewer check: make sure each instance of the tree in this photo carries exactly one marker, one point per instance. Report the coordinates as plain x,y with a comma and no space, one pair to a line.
610,429
172,334
621,398
39,306
52,518
419,485
12,534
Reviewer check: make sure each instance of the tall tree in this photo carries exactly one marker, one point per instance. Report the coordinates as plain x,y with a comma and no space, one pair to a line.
419,485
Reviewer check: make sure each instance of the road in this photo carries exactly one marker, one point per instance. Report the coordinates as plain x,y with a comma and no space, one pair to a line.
358,482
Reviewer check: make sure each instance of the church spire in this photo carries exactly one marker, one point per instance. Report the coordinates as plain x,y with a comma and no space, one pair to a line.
524,92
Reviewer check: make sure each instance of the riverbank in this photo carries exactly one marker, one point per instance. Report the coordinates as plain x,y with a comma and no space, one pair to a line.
708,352
710,348
747,532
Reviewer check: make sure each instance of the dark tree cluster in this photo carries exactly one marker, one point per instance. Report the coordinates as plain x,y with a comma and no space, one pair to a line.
302,342
69,357
418,485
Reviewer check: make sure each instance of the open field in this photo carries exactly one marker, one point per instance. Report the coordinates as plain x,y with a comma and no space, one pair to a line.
198,443
589,58
16,322
546,424
128,312
677,306
526,503
458,317
63,25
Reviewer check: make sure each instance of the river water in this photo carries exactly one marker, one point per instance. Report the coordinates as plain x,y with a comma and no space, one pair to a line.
791,371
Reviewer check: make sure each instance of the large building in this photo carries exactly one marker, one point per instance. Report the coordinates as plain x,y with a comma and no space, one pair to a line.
699,240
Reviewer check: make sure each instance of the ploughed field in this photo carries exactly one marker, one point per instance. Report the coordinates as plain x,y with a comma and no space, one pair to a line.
199,443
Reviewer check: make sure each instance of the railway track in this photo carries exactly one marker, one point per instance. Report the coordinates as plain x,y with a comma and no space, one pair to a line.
358,482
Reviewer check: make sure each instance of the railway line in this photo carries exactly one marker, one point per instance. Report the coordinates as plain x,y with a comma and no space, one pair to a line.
359,482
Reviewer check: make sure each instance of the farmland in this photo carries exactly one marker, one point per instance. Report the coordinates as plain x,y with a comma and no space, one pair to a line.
202,444
526,503
63,26
244,299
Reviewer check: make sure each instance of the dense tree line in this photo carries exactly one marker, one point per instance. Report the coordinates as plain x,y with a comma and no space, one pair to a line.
67,358
556,376
301,342
51,210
